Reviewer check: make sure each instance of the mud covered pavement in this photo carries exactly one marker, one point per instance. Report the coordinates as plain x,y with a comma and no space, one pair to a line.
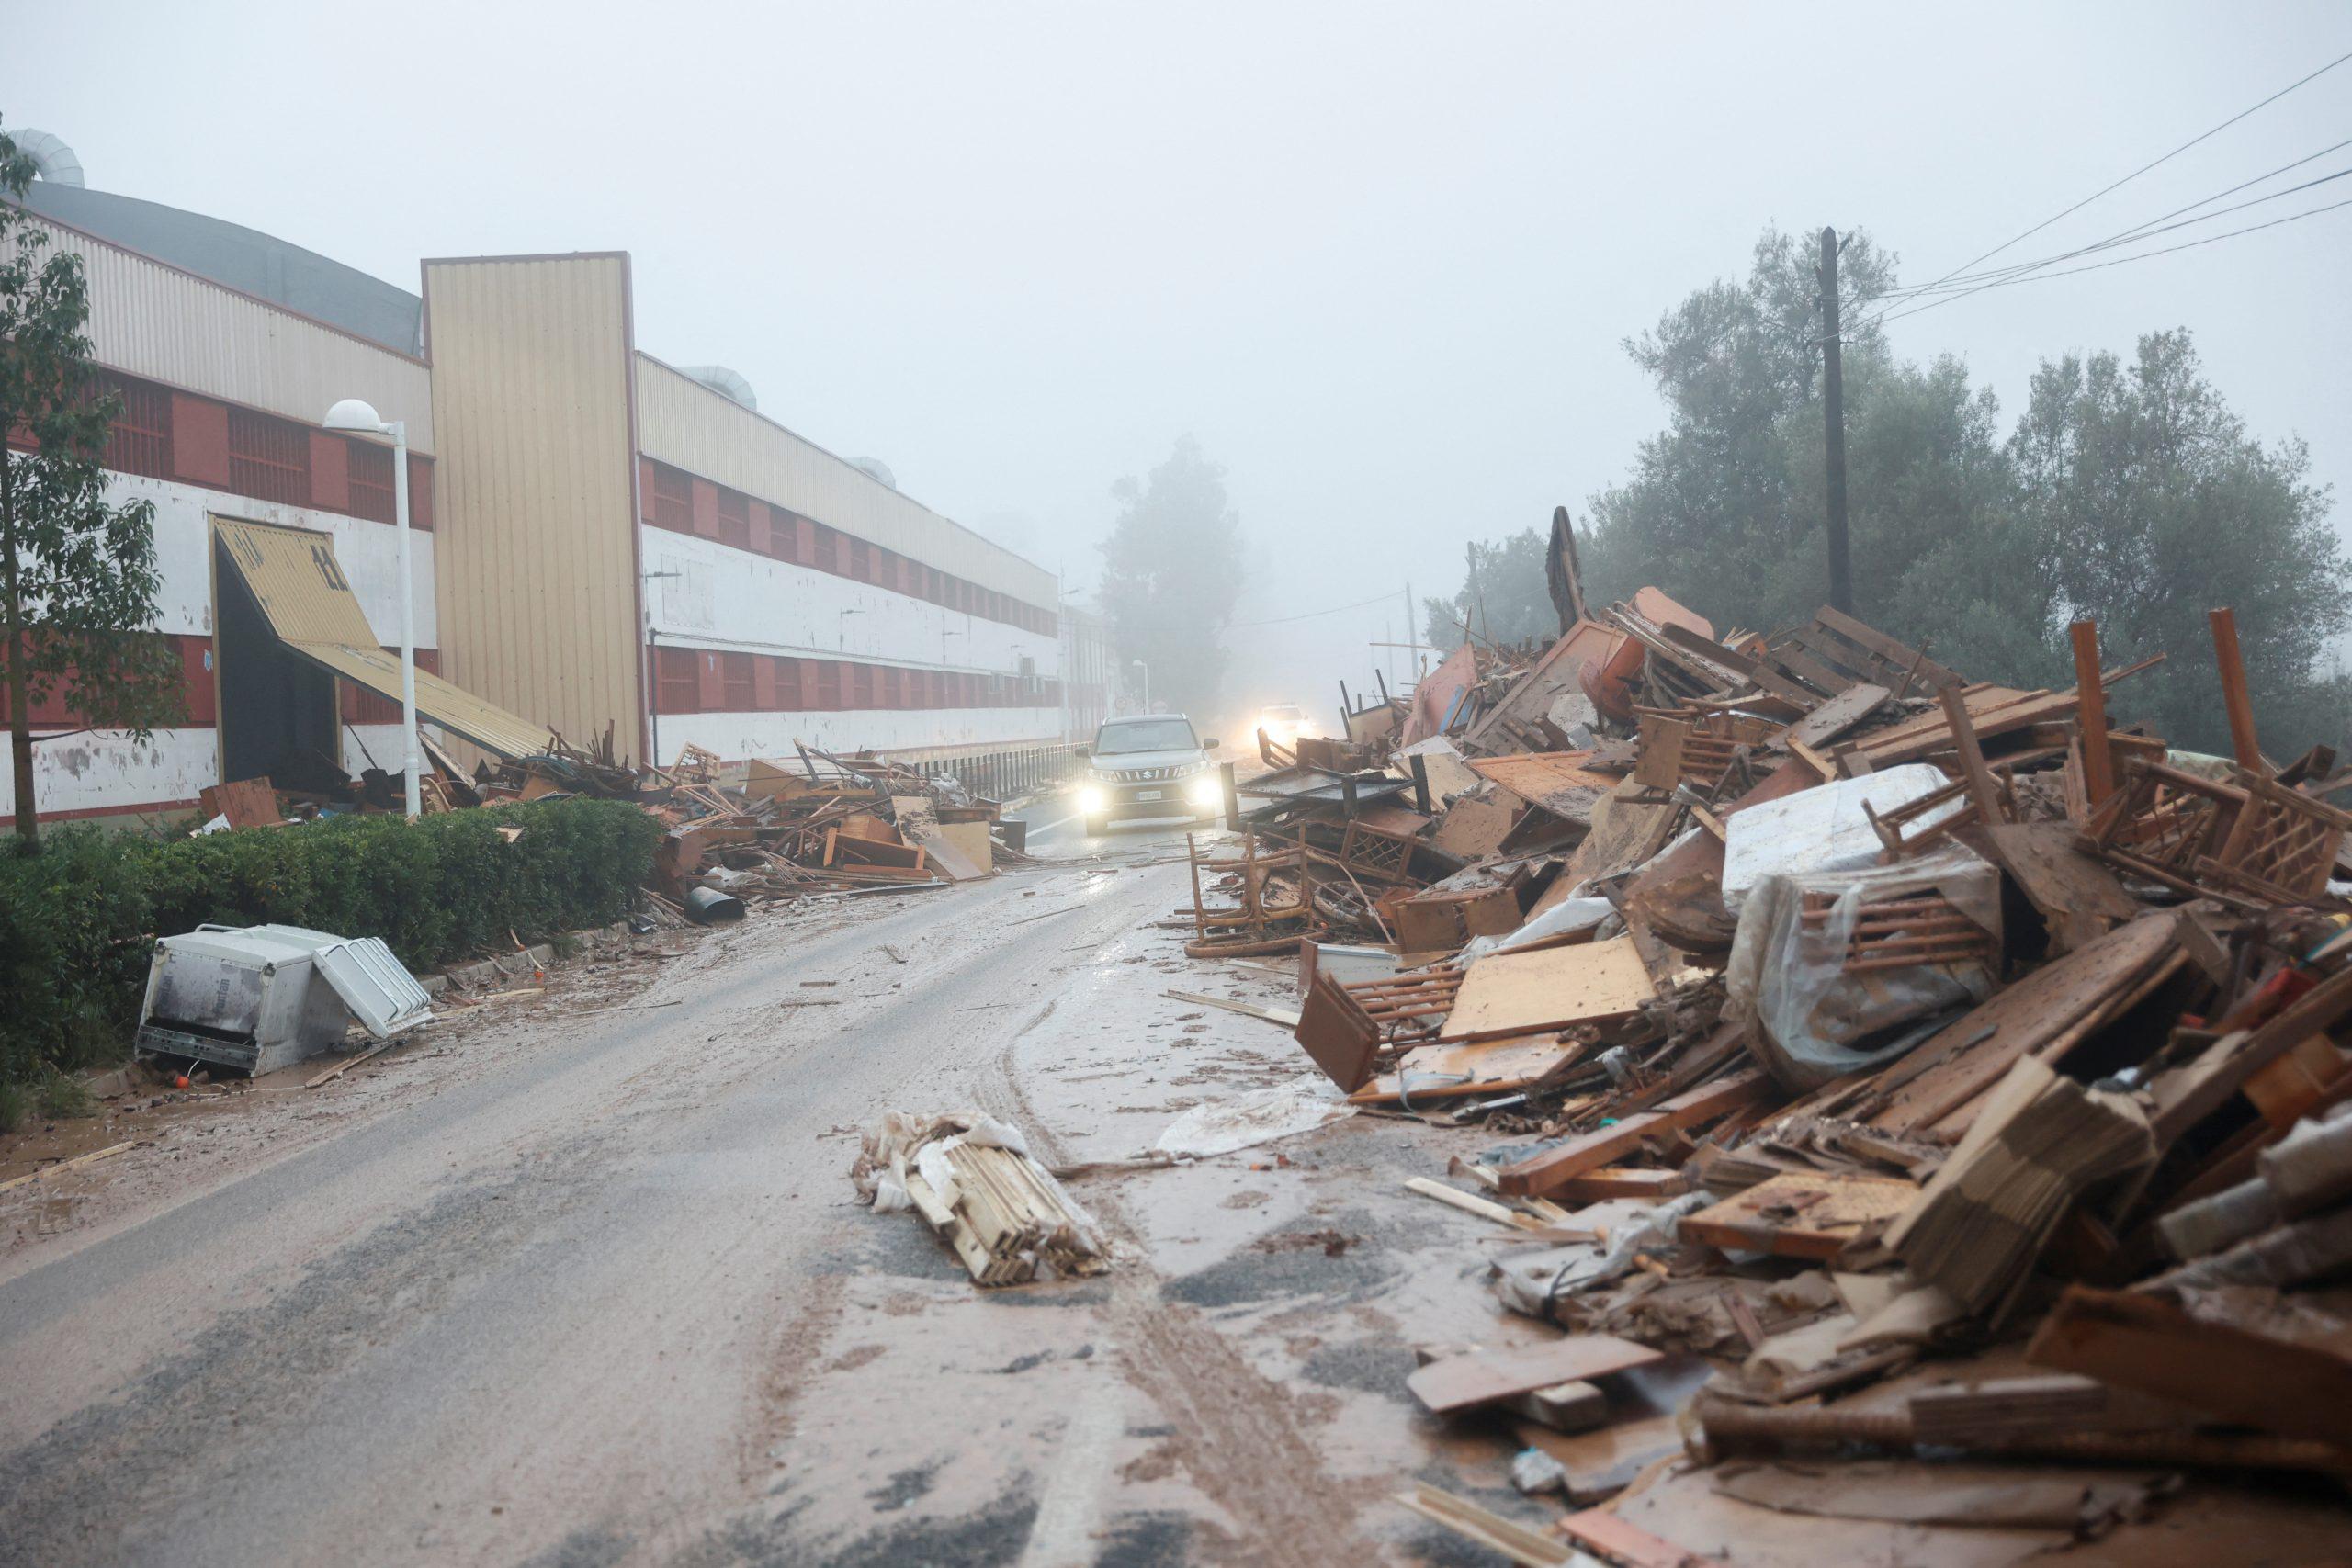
592,1286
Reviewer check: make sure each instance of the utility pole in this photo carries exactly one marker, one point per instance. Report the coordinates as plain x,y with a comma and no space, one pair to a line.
1833,418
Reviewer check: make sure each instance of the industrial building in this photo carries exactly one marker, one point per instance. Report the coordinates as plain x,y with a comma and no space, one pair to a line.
602,543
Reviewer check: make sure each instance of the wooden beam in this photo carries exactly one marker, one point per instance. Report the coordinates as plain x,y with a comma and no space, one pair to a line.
2234,701
2098,755
1981,787
1542,1174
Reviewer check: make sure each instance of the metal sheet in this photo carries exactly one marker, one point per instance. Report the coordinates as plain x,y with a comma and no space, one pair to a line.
301,590
295,577
484,724
380,991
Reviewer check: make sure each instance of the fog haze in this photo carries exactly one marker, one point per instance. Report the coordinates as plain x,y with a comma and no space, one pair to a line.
1378,260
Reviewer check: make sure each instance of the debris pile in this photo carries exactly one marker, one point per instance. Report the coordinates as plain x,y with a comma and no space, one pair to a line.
759,830
971,1179
1890,1069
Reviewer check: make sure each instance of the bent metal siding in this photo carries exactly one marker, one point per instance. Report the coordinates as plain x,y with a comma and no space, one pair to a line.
684,424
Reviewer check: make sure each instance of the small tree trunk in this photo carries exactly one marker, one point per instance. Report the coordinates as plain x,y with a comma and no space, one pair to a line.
21,743
21,707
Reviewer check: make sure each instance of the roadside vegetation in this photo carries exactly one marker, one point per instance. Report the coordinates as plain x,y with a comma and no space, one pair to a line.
79,917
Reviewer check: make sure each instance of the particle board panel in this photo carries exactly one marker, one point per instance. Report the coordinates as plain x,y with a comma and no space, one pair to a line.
1519,993
1484,1377
1450,1072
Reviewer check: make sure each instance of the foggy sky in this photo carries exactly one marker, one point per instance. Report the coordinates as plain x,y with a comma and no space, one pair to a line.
1378,259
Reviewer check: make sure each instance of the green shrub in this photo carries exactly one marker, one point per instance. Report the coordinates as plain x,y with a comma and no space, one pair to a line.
78,921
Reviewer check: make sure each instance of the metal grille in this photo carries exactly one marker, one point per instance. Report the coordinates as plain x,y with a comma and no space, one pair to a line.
674,500
680,682
371,481
735,519
269,459
140,441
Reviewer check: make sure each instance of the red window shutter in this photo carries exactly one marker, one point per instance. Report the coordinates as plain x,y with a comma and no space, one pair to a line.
331,471
269,459
673,501
140,441
706,508
679,685
788,698
199,441
647,484
763,684
369,481
420,493
733,511
803,541
710,686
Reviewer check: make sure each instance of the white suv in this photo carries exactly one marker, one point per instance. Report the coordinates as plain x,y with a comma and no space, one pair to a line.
1150,765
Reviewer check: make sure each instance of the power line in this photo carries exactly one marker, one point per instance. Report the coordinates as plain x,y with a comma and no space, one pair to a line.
2143,256
2142,230
1962,287
2142,169
1311,614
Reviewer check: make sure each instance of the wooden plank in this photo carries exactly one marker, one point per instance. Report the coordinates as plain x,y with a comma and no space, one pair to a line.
1520,993
1542,1175
1981,787
1601,1533
2148,1343
1838,715
1970,1055
1287,1017
1489,1377
1809,1214
1471,1203
1885,647
1453,1072
2235,702
1615,1181
1507,1539
76,1163
2098,755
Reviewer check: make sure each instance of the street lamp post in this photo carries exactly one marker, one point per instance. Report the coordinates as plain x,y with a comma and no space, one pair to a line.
1147,683
359,418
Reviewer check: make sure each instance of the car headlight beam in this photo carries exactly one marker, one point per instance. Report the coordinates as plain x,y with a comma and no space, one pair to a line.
1092,800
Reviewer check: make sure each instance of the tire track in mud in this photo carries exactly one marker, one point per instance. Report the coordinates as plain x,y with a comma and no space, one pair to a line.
1235,1430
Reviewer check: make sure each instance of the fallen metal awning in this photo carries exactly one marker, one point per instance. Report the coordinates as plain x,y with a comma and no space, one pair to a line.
293,575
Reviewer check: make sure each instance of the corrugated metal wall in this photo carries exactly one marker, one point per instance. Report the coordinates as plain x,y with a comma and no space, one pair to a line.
684,422
153,321
537,532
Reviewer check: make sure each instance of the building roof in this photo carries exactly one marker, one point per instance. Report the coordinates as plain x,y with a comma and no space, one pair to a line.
244,259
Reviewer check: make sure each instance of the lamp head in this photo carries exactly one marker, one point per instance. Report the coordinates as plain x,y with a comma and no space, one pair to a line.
356,413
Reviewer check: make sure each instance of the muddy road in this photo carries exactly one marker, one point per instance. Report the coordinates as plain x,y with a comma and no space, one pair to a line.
585,1286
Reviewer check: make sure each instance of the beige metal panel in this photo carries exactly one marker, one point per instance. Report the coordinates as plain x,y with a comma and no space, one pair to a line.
156,321
297,580
485,724
684,424
535,542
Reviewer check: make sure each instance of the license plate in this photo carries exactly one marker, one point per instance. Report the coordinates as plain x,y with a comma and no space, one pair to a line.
1146,795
